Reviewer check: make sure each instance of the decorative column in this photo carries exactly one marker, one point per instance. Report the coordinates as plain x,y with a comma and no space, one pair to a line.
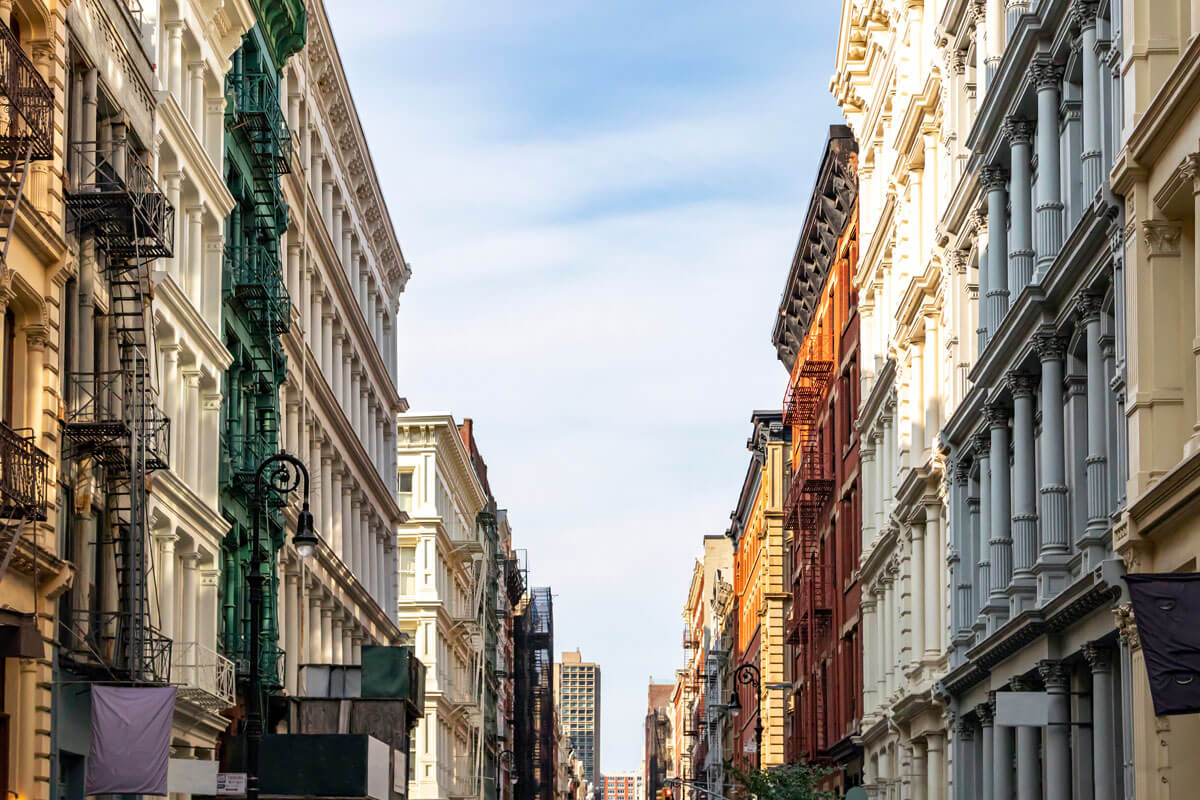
866,456
987,751
195,256
1094,542
312,315
327,631
357,639
1002,756
1020,141
919,582
327,199
348,250
1051,567
959,556
1084,13
348,640
210,445
347,551
173,181
170,400
1013,12
336,629
327,315
166,585
214,248
1058,731
1023,591
353,402
335,234
195,110
314,624
977,14
291,633
191,404
935,579
983,244
335,501
335,367
981,445
935,766
175,60
1046,77
869,624
1104,779
995,180
1001,533
356,540
920,778
930,391
326,483
188,616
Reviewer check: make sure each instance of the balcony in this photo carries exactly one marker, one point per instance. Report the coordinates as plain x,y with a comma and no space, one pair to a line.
106,412
112,191
26,104
245,451
107,646
256,112
254,279
22,475
205,677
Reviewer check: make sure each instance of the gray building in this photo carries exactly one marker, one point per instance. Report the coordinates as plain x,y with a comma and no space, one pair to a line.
1036,450
577,697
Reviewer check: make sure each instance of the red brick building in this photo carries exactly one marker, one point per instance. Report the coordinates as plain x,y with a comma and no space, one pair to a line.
816,338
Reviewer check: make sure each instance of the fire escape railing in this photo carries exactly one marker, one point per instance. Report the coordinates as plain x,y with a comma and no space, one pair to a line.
256,111
26,104
255,280
22,475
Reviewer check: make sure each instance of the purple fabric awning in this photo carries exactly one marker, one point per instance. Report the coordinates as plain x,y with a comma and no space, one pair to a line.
131,740
1165,608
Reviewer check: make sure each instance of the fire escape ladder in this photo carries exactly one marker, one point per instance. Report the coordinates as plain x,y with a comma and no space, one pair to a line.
13,176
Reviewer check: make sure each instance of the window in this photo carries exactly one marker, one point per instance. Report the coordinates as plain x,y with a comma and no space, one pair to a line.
408,571
404,492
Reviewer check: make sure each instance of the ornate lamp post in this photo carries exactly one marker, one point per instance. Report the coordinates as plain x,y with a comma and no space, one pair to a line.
748,674
280,475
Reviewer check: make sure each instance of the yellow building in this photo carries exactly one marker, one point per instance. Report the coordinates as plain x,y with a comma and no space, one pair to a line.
1158,174
33,288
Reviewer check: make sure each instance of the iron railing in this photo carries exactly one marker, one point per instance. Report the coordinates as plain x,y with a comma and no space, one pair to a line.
100,642
110,187
23,470
206,677
255,276
255,109
99,421
26,104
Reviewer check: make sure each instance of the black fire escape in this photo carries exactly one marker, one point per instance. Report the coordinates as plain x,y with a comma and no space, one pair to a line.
114,430
26,113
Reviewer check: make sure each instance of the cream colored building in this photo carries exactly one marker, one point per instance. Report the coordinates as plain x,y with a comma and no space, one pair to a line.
917,311
1158,173
441,604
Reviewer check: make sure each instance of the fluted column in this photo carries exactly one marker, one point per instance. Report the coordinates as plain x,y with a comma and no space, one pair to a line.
935,581
978,16
995,179
1046,77
194,268
1058,731
987,747
1051,569
1103,721
959,556
963,760
981,444
1095,540
919,583
1084,12
1001,533
983,243
1023,591
917,775
1020,140
1013,11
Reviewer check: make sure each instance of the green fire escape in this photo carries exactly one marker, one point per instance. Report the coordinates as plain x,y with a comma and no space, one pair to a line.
256,313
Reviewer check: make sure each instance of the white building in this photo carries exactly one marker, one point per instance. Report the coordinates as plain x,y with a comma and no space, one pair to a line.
441,603
345,272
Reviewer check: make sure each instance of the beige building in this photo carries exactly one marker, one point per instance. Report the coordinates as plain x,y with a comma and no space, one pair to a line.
577,699
1158,173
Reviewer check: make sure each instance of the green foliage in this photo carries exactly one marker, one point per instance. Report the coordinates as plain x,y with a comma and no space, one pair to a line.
788,782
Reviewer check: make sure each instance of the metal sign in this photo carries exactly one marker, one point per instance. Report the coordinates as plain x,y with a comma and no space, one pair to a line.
1025,709
231,784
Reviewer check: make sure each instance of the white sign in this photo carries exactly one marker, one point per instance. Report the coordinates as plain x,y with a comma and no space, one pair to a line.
1026,709
190,776
231,784
750,747
400,772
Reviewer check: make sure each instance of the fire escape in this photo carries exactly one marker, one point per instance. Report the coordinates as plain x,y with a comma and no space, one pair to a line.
810,492
27,104
541,649
114,431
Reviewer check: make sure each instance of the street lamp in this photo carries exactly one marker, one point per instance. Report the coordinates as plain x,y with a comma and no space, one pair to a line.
281,474
748,674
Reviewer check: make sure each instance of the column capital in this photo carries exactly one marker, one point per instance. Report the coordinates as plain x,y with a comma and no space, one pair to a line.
1053,675
1049,345
964,730
958,62
1161,236
961,470
1019,131
1087,307
1046,74
1020,384
1099,657
997,415
977,11
986,712
1083,13
1127,625
993,177
981,444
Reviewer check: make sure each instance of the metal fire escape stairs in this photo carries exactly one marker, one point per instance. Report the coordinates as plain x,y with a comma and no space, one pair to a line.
115,424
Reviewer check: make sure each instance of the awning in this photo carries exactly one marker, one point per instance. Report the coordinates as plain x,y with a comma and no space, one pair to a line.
1165,608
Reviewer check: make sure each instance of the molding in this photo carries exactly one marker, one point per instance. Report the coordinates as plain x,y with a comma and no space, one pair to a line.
194,160
212,349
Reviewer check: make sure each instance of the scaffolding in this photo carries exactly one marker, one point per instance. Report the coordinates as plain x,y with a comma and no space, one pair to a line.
114,432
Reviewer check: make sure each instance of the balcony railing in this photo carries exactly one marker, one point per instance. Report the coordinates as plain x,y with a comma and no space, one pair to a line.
206,677
110,188
26,104
255,278
257,113
104,412
22,475
102,642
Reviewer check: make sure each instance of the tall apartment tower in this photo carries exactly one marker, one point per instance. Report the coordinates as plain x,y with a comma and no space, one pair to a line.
577,697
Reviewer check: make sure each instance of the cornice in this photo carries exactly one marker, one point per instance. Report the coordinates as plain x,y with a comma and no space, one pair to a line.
355,596
212,349
192,156
174,494
337,104
448,438
227,20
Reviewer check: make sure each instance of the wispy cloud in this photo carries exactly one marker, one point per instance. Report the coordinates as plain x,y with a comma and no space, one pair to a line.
600,202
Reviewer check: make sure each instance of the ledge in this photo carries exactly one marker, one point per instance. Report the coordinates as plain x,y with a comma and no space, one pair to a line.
192,154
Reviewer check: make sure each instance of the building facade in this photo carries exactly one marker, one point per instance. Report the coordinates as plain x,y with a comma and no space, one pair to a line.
816,338
441,601
577,698
1036,443
658,739
913,306
535,744
762,593
1155,173
622,786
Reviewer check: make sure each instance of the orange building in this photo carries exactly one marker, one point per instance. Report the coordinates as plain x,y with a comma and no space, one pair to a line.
816,338
762,591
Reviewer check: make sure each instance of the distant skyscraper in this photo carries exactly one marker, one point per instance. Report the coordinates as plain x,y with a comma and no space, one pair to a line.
577,695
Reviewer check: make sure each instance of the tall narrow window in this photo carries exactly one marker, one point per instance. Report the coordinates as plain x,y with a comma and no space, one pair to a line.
408,571
404,492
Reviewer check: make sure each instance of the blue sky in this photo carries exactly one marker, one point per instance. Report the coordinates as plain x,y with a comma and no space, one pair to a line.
600,200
